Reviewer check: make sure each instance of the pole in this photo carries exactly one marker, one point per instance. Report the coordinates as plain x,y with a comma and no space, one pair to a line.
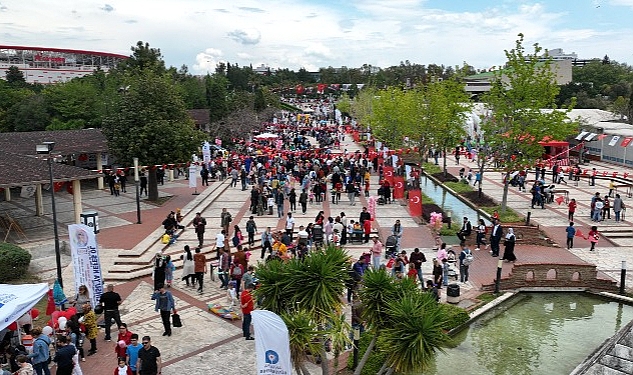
623,277
527,219
356,340
58,257
138,194
498,280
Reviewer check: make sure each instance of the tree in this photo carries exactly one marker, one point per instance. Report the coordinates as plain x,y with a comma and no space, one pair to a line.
216,93
30,114
15,77
149,121
307,295
407,321
75,104
143,58
522,112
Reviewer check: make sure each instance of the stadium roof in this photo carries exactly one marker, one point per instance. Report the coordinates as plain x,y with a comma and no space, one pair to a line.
64,50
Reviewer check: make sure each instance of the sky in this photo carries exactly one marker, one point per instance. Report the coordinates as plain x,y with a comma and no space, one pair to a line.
320,33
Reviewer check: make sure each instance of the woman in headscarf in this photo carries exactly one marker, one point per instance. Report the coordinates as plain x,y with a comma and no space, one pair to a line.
508,253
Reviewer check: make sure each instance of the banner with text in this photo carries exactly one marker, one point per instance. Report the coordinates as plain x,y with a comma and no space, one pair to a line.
85,258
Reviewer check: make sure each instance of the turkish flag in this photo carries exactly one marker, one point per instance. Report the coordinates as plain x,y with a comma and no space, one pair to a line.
50,302
57,186
388,174
299,89
579,233
321,88
626,141
415,202
398,187
559,200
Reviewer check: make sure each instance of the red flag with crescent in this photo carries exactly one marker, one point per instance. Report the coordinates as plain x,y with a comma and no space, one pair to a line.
559,200
415,202
388,174
398,187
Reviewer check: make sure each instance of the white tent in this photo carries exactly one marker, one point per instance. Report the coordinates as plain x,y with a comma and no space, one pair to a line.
17,300
266,136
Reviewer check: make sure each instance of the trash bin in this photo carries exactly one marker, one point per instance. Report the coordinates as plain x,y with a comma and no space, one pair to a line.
452,293
91,219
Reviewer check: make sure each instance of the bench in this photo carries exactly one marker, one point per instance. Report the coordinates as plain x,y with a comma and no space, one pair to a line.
564,192
629,189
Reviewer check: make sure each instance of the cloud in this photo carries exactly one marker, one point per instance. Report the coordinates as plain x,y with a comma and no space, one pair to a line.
131,21
252,10
3,8
107,8
207,61
318,50
244,55
245,36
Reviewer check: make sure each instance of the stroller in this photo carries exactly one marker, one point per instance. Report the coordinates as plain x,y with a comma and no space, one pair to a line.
317,235
392,246
452,261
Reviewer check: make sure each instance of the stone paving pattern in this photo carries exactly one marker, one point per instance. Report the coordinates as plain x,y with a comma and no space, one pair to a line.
209,344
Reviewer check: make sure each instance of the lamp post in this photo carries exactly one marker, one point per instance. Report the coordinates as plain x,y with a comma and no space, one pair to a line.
46,148
138,195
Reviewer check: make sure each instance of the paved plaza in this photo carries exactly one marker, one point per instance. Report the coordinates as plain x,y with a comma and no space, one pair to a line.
209,344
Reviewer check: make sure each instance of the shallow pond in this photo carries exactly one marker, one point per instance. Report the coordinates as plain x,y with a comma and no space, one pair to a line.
534,333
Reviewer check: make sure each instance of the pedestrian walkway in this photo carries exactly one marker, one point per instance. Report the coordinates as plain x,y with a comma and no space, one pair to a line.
209,344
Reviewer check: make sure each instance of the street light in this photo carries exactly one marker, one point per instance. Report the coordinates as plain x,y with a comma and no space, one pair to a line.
138,195
46,148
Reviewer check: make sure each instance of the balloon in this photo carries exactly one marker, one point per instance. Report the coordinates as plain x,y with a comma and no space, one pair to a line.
47,330
72,311
55,315
67,314
121,344
13,326
35,313
62,322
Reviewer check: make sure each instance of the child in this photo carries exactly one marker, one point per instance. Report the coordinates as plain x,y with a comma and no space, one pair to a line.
25,367
413,273
572,209
593,236
122,368
169,271
311,197
231,294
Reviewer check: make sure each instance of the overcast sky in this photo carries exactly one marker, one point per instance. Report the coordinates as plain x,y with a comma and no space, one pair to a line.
313,33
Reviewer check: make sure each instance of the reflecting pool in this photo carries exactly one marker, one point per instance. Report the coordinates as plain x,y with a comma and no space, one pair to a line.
534,333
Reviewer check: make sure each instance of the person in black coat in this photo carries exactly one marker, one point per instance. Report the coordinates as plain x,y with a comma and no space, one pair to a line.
495,237
465,231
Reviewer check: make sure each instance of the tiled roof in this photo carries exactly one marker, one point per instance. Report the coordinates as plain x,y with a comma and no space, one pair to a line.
67,142
20,170
199,116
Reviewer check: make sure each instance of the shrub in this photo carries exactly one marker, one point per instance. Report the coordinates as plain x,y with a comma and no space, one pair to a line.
459,187
14,262
376,358
455,316
507,216
431,168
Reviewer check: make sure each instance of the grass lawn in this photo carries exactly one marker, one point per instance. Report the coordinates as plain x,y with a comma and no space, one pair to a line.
509,216
459,187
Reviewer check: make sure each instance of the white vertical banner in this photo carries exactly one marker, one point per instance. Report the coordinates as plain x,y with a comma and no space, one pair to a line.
85,258
272,343
614,140
193,176
206,152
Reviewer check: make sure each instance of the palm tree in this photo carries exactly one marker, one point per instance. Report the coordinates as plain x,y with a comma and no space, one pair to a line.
414,334
312,286
302,329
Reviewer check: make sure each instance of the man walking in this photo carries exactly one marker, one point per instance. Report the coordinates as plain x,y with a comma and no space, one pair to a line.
267,242
164,304
199,224
200,268
225,220
290,225
495,238
64,356
251,228
248,305
110,301
149,362
417,258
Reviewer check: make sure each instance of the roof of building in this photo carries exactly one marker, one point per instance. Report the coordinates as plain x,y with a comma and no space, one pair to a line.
65,50
20,170
20,166
67,142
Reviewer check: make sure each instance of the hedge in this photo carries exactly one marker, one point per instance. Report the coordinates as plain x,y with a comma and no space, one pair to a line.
14,262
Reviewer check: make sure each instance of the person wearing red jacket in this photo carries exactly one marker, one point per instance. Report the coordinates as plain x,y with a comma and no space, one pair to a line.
248,305
124,336
122,368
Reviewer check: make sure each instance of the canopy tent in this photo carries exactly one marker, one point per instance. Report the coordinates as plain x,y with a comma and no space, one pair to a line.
266,136
17,300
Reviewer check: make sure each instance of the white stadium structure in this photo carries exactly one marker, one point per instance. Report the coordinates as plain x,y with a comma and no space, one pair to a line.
52,65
